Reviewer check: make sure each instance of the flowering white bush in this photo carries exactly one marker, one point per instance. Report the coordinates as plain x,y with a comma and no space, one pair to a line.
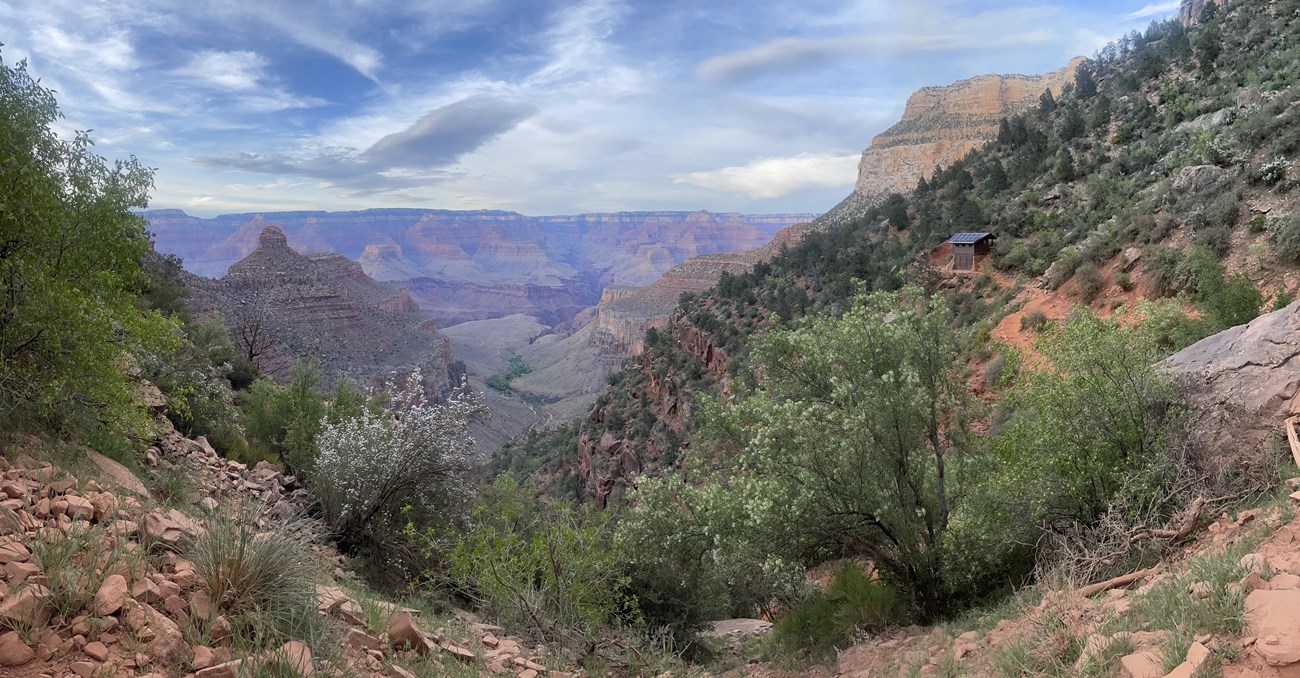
1274,170
379,470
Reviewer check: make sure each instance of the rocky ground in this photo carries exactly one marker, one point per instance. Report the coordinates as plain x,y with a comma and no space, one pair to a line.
1229,606
97,580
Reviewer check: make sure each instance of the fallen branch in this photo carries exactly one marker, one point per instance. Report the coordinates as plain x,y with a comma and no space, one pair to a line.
1123,580
1189,520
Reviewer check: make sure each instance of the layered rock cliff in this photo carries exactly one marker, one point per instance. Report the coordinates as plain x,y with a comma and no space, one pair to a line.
474,265
625,313
1190,11
942,124
289,307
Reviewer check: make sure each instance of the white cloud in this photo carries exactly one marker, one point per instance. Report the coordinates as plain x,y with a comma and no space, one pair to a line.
611,110
797,54
227,70
112,51
1156,9
319,26
777,177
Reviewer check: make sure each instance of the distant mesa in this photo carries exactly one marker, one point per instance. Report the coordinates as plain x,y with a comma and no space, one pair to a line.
626,313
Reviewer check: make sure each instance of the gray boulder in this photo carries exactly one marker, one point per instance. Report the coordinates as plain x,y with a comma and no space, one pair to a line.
1241,384
1198,179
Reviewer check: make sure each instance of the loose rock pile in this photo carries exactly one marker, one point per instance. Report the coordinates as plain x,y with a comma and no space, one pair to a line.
275,497
92,585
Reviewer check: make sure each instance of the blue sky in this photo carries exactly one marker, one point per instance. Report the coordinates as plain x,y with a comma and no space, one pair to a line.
543,107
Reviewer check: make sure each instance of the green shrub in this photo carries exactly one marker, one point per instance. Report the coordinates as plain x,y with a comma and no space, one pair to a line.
1034,321
1281,300
1274,171
1063,269
284,421
1198,272
1160,263
1090,429
379,472
1232,301
552,570
1286,237
853,604
1088,282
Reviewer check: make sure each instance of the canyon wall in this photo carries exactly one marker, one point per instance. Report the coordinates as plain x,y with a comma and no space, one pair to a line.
1190,11
292,306
461,266
942,124
625,313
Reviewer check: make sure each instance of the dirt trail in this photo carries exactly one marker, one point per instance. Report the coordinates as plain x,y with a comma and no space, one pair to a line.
1034,299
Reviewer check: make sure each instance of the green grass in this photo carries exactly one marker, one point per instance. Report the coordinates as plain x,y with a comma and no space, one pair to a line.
1169,606
174,486
264,583
75,564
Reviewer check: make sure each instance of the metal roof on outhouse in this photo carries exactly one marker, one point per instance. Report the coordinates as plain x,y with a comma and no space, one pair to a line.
968,238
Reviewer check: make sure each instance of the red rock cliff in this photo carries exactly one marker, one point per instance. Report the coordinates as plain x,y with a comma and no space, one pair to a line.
942,124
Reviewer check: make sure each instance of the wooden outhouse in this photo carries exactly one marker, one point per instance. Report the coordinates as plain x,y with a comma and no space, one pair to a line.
967,248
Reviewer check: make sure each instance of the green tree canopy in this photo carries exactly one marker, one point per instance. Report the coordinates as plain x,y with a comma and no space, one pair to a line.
844,450
71,253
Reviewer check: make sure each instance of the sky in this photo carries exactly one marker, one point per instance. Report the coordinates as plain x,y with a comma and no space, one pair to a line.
536,106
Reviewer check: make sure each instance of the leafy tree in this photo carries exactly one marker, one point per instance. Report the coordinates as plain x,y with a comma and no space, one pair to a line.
1099,115
1209,12
70,269
895,210
1208,43
697,551
996,181
1046,103
1073,125
165,289
845,448
284,421
1085,82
